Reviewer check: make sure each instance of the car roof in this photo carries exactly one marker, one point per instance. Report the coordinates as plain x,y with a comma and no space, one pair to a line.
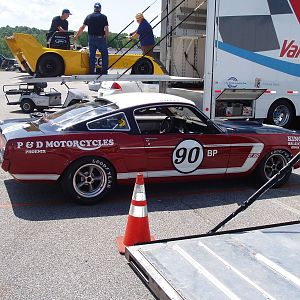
126,100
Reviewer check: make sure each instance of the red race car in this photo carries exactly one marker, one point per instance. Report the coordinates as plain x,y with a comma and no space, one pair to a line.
90,147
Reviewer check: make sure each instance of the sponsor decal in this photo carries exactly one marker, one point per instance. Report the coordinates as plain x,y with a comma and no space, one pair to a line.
290,49
233,82
187,156
294,142
253,155
37,147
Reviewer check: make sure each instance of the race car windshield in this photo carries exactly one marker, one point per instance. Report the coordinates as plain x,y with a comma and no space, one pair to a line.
76,114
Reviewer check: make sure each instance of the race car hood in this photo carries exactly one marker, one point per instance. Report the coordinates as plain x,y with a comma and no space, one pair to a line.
251,127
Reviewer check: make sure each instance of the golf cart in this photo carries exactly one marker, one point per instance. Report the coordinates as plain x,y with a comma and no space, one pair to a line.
32,96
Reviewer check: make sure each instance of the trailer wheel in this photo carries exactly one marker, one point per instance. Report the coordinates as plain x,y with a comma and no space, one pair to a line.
271,164
27,106
281,113
89,179
50,65
143,66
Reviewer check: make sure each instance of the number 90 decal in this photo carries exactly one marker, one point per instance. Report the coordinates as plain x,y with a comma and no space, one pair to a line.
187,156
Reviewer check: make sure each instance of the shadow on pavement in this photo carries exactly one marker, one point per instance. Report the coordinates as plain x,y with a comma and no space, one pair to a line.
39,202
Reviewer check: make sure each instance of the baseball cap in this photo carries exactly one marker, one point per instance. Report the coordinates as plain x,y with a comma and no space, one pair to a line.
97,5
66,11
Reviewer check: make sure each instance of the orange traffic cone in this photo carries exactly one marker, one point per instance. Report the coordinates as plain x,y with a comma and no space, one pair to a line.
137,229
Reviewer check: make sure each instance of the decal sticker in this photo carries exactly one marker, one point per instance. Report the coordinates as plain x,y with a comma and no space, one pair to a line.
233,82
86,145
294,142
187,156
122,123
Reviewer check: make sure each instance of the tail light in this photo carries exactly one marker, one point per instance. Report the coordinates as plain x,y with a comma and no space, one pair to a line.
116,86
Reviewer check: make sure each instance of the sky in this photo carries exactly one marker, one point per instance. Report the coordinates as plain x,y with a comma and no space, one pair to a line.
39,13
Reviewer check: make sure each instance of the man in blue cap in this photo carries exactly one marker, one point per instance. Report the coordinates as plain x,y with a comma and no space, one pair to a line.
59,23
98,34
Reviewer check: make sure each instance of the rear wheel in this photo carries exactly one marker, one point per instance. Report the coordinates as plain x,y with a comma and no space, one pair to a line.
143,66
281,113
89,179
271,165
50,65
27,106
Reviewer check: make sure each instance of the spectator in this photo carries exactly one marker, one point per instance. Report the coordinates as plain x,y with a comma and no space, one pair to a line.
98,34
59,23
145,35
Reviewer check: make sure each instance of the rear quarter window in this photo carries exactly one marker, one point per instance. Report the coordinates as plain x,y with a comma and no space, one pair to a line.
116,122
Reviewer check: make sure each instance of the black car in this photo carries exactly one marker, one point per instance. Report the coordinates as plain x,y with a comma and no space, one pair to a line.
9,64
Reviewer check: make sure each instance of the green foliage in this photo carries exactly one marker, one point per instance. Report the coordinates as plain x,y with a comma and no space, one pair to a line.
40,35
114,41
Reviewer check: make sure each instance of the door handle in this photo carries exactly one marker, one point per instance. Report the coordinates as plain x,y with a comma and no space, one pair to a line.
151,139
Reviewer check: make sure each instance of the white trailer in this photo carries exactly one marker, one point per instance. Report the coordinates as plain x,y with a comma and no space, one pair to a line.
242,49
251,263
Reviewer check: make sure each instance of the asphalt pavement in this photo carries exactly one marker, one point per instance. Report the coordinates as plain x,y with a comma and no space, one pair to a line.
51,248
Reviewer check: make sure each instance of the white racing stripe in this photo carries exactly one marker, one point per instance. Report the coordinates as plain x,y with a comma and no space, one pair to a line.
52,177
257,148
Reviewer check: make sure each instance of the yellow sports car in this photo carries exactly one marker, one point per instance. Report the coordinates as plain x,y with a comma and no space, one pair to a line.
51,62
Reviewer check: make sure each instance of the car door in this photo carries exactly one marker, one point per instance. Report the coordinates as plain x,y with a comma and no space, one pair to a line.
192,147
129,155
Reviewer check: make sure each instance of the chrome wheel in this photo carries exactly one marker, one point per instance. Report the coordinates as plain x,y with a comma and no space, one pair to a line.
274,163
281,115
89,180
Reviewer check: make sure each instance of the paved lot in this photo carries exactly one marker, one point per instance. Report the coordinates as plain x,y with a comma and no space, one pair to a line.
53,249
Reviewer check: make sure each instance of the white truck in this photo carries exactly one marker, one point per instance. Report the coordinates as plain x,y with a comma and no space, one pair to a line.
246,51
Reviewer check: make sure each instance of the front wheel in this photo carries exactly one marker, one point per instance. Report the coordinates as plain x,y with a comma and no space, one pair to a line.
50,65
89,179
271,165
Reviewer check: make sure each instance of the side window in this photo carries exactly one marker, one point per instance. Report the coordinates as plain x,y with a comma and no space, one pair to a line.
149,119
115,122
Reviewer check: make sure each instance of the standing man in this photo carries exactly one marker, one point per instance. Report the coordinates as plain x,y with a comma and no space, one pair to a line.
98,34
59,23
145,35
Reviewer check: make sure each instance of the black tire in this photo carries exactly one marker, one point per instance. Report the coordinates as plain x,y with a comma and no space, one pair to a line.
281,113
27,106
271,164
50,65
88,180
143,66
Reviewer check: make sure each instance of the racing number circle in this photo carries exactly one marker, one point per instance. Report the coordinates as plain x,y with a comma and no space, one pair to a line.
187,156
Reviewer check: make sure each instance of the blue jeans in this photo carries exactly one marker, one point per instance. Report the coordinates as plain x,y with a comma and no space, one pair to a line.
100,44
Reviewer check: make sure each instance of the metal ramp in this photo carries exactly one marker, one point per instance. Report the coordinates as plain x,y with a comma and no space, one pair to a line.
255,263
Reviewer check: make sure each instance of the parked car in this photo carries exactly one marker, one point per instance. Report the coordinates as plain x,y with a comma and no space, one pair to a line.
9,64
90,147
106,88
